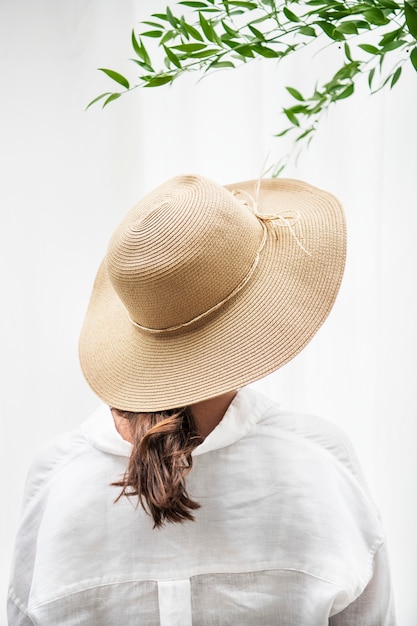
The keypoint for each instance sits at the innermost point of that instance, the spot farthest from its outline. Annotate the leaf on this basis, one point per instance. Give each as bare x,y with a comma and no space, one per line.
411,19
348,28
293,119
172,57
112,97
230,31
245,50
283,132
136,46
256,32
205,53
307,30
389,4
221,64
346,92
375,16
295,94
171,18
266,52
368,48
193,32
244,5
371,77
97,99
152,33
393,45
413,57
290,15
304,134
157,81
330,31
347,52
190,47
391,36
194,5
116,77
396,76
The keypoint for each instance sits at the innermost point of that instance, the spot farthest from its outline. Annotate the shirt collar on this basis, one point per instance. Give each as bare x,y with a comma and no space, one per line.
243,412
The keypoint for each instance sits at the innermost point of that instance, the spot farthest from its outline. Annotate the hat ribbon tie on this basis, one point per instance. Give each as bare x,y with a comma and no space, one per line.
285,218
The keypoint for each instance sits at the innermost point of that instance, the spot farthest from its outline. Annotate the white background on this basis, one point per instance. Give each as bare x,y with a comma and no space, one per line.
68,177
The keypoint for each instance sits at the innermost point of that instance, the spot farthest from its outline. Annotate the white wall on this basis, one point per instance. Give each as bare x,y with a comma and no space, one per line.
69,176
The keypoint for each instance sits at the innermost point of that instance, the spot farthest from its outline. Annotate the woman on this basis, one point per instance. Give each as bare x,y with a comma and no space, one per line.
249,515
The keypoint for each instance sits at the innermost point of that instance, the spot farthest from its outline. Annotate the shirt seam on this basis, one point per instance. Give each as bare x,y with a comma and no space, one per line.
205,573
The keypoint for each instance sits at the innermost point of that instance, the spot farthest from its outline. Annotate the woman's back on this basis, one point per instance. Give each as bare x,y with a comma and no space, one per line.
286,533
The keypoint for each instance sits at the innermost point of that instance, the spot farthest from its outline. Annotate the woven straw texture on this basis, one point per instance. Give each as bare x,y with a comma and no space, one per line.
184,249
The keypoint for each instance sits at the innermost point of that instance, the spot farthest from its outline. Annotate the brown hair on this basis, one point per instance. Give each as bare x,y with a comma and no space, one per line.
160,460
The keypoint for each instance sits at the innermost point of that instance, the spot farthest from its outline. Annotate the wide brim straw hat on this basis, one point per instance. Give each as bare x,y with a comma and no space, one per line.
206,288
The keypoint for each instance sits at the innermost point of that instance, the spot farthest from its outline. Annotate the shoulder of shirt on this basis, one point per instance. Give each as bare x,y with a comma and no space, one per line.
313,430
52,457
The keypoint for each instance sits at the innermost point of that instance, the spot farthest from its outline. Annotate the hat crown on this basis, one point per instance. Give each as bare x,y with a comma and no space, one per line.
181,250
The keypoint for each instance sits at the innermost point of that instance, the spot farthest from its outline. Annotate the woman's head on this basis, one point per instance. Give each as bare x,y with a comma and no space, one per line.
206,288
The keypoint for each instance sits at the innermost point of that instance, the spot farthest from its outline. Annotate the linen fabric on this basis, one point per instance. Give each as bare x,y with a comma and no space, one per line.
287,533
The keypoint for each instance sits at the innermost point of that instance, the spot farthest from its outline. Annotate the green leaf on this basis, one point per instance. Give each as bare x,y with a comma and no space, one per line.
346,92
112,97
152,33
393,45
193,32
245,51
347,52
368,48
391,36
266,52
411,19
194,5
116,77
222,64
145,66
171,18
304,134
205,53
157,81
283,132
375,16
371,77
103,95
172,57
295,94
190,47
256,32
396,76
136,46
330,31
389,4
307,30
169,35
293,119
244,5
413,57
290,15
230,31
348,28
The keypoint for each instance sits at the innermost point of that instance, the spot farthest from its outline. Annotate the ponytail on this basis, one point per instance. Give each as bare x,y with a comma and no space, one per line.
159,462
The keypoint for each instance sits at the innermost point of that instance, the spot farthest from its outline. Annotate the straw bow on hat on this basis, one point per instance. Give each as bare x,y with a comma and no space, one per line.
206,288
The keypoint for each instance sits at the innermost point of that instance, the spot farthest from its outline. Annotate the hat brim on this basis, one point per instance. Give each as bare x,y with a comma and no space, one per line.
253,334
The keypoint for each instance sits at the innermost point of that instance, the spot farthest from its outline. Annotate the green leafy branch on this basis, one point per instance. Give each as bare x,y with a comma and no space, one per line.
221,34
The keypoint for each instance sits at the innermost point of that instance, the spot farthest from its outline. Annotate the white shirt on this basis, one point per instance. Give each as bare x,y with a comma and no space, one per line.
286,535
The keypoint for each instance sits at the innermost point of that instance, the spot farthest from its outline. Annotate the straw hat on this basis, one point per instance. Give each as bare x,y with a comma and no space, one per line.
206,288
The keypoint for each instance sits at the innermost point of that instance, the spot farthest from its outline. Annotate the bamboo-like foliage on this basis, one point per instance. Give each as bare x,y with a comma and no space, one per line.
375,37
